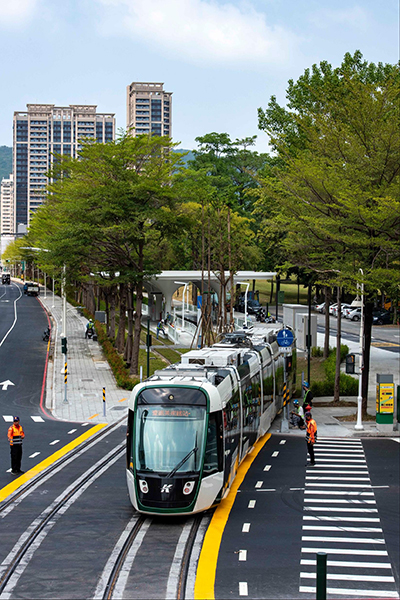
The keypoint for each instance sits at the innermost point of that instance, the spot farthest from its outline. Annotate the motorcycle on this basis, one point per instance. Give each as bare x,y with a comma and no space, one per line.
263,318
46,335
90,333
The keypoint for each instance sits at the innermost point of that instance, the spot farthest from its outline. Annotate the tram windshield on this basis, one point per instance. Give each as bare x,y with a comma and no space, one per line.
169,439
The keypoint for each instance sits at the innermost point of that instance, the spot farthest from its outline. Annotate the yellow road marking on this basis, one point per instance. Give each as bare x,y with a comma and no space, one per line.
385,344
123,400
14,485
207,565
93,416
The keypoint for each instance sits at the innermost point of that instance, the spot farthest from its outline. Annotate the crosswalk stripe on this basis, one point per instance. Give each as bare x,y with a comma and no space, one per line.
348,577
351,592
37,419
8,418
351,564
324,526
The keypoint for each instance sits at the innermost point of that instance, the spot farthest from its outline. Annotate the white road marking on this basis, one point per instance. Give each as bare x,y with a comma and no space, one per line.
342,485
294,489
335,455
326,465
242,557
84,424
351,592
246,527
267,490
282,442
339,478
346,540
335,518
259,484
352,551
348,563
251,504
345,577
337,509
71,431
15,316
8,418
341,528
34,454
174,572
267,467
345,493
243,590
8,470
347,472
339,501
274,454
37,419
352,461
54,442
395,440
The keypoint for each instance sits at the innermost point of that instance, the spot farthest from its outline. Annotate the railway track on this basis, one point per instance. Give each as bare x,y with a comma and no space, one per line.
19,557
114,579
10,503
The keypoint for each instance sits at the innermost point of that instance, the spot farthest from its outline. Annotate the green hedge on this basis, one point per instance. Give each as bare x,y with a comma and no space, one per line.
348,385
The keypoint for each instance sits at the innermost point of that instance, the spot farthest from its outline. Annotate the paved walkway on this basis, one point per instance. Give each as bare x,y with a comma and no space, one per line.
89,373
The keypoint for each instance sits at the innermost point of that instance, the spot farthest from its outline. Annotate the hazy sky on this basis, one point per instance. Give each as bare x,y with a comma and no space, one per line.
221,59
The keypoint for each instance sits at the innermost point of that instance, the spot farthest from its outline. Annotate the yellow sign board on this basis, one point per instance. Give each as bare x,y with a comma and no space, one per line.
385,397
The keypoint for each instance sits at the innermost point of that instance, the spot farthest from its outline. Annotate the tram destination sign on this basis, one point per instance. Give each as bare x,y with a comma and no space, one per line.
285,338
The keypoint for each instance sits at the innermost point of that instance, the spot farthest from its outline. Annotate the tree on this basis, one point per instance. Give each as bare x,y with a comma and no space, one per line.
105,215
337,185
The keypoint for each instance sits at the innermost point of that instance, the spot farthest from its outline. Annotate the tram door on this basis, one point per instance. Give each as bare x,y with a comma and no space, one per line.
251,406
231,415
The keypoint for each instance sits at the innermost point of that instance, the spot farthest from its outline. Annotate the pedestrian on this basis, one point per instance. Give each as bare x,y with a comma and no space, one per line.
297,415
15,436
308,397
311,437
160,327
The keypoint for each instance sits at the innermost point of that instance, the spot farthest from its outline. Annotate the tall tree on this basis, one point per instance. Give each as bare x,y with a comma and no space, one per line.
337,186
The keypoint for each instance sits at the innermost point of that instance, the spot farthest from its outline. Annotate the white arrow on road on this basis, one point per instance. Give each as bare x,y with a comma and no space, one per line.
5,384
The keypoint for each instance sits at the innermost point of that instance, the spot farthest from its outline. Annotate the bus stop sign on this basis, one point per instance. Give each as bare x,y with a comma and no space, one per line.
285,338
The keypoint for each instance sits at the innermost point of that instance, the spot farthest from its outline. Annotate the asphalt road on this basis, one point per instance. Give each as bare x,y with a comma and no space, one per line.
267,551
22,362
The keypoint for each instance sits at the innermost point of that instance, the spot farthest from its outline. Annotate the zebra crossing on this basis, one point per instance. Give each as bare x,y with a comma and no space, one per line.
341,519
35,418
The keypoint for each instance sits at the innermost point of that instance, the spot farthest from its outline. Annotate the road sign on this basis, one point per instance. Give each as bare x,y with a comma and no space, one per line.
285,338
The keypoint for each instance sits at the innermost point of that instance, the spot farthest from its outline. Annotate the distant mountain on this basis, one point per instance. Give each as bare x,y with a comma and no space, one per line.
5,161
189,156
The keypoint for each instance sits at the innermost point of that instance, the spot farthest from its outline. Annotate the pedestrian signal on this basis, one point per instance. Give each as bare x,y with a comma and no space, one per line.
64,345
350,364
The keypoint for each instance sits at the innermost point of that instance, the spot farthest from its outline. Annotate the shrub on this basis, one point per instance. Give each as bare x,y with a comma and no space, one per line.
348,386
317,352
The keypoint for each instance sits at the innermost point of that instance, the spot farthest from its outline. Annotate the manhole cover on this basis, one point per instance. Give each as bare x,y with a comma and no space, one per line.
89,395
87,379
101,365
118,407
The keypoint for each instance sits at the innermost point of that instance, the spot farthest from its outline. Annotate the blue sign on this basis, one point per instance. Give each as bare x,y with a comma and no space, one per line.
285,337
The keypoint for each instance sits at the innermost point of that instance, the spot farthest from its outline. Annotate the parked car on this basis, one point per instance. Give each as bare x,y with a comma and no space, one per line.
253,306
354,315
332,308
6,278
381,317
320,307
342,308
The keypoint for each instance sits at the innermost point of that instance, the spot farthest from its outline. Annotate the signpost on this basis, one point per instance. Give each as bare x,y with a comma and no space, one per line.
285,338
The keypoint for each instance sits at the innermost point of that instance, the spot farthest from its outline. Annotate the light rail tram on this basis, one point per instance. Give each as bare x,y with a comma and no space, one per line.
191,424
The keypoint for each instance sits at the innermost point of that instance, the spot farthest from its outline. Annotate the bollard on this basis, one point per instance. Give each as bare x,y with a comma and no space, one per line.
104,402
321,576
65,382
141,373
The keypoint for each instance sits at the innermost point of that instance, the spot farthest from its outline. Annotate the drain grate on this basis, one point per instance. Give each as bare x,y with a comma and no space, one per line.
118,407
89,395
331,424
87,379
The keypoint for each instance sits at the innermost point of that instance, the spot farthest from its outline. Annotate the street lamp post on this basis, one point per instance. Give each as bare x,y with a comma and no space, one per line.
359,425
245,300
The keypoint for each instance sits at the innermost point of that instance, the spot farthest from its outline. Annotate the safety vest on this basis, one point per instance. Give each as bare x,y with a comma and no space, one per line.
15,435
311,433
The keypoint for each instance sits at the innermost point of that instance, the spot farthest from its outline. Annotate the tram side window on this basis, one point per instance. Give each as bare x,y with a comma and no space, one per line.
129,432
213,460
268,380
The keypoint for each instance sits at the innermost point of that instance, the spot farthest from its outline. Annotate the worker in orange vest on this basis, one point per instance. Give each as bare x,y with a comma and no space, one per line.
311,436
15,436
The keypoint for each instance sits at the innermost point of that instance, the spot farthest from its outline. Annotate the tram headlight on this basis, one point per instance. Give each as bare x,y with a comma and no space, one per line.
188,488
144,488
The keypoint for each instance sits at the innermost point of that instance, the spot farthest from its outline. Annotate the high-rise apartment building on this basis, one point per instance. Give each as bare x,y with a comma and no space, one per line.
148,109
6,212
39,133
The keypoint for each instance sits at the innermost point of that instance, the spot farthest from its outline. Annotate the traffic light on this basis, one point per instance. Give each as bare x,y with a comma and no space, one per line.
350,363
64,345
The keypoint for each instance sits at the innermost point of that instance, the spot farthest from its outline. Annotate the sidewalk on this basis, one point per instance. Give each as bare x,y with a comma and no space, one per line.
88,372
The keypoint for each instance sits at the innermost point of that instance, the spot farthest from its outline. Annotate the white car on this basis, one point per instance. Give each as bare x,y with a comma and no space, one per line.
343,307
320,307
354,315
332,308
